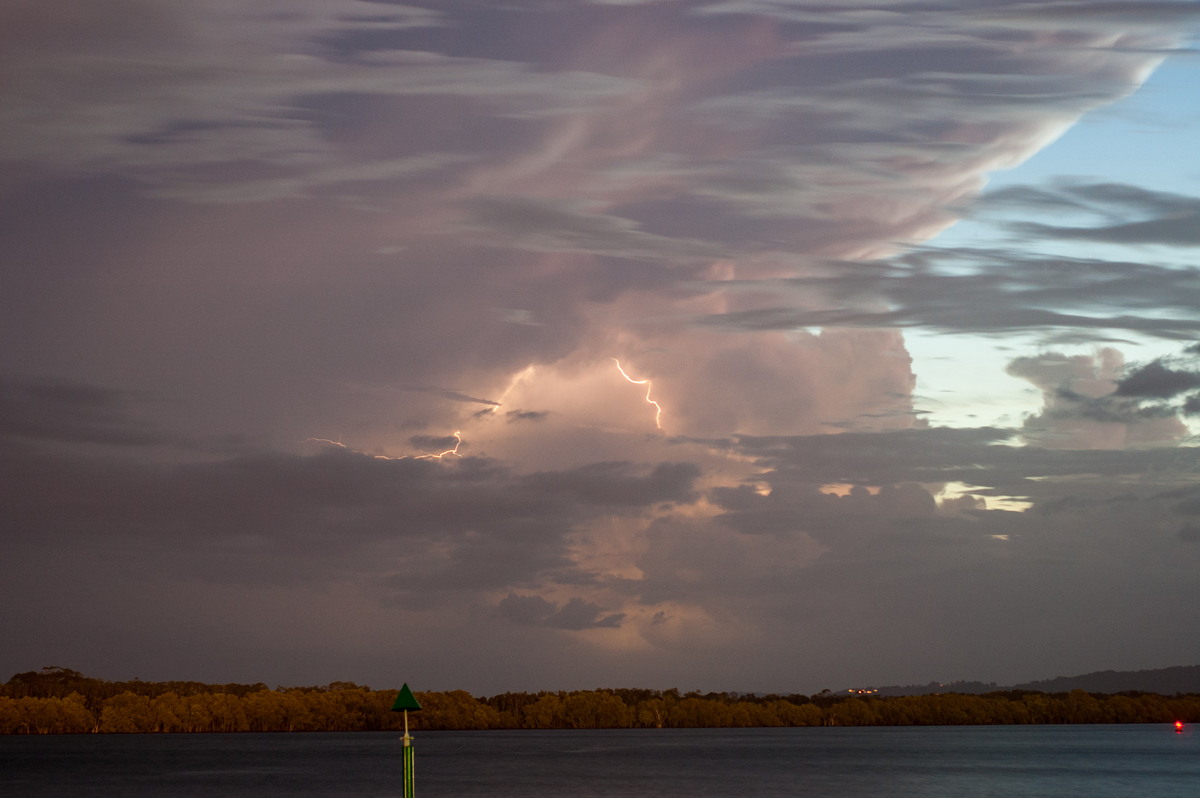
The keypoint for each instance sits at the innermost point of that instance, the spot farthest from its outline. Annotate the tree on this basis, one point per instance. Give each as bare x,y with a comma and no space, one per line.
596,710
547,712
127,713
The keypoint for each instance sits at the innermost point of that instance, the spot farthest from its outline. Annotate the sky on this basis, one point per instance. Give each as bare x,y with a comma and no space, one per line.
747,345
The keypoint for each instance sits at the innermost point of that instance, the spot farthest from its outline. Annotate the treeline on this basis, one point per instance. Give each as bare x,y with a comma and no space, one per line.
61,701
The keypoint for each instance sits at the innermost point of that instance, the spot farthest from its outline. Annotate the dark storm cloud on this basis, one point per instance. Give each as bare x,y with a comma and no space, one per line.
529,610
1168,219
224,95
619,483
433,442
998,291
890,528
1106,409
579,614
982,457
1157,380
1056,426
354,236
60,410
990,291
466,524
575,614
878,561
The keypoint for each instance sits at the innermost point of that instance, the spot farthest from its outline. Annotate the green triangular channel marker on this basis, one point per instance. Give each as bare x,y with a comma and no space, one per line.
405,700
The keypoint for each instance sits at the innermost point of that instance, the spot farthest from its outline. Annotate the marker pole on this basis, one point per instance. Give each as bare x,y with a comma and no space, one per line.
408,759
405,701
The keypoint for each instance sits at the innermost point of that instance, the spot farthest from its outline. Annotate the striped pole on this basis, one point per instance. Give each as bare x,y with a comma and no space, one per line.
405,701
408,760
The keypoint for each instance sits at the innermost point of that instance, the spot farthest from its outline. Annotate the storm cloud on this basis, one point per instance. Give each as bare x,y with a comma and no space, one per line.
538,346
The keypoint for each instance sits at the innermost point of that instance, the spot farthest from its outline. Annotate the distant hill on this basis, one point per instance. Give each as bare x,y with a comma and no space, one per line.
933,688
1164,681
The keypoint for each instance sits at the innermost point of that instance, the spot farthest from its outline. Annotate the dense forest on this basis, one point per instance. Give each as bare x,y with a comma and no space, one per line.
63,701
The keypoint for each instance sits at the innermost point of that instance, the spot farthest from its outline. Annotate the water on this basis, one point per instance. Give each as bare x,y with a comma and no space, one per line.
931,762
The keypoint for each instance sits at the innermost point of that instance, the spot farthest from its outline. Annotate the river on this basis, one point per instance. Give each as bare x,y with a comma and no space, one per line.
930,762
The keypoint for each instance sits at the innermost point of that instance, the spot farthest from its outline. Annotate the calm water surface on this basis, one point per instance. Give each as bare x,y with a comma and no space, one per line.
932,762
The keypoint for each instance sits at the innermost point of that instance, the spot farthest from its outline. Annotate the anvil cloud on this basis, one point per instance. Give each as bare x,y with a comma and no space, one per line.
310,311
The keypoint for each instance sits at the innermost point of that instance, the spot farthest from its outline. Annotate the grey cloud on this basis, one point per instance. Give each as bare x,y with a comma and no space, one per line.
1190,506
618,484
555,225
575,614
455,396
1098,517
825,132
41,410
980,457
514,416
1086,408
434,443
1113,200
522,609
1179,231
1157,380
1107,410
306,184
1119,423
483,79
578,614
988,291
923,455
1091,527
943,98
949,318
1152,13
1173,218
1100,13
228,85
440,526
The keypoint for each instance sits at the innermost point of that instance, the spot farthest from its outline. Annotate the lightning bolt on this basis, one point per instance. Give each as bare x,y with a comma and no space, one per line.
454,451
457,442
338,444
517,379
491,410
658,411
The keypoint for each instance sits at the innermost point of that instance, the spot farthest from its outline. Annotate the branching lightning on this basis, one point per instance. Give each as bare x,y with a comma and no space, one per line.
438,456
457,442
492,409
658,411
